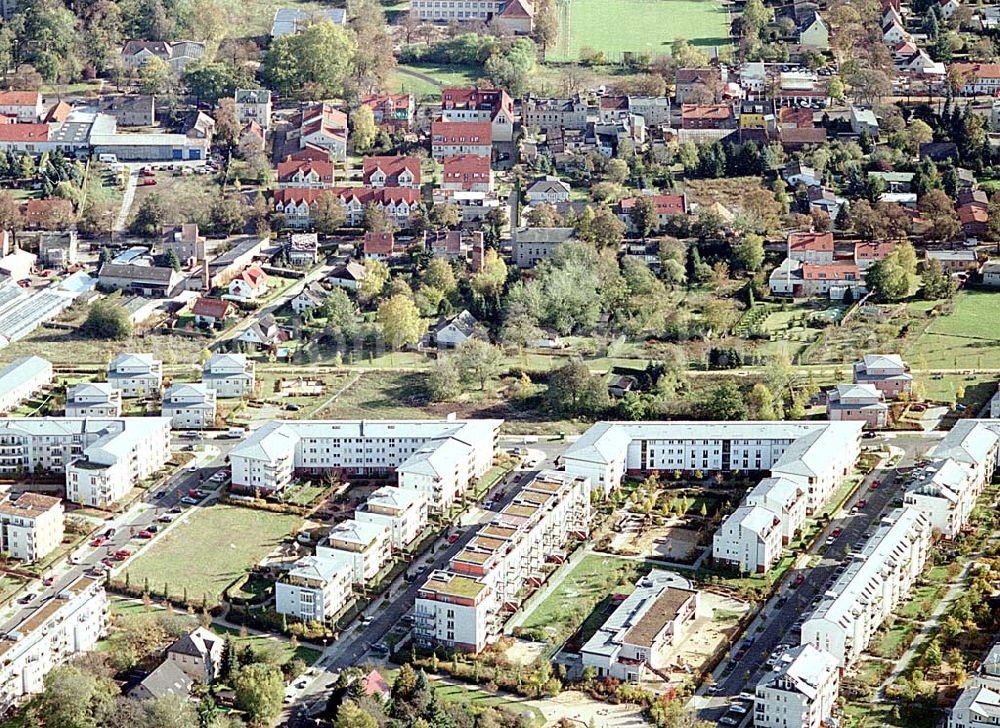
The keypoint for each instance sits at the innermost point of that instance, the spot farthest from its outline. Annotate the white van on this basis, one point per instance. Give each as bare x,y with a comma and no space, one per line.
107,158
237,432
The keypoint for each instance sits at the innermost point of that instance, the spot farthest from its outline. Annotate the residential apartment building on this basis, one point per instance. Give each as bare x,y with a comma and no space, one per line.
451,138
946,492
402,511
974,443
858,403
816,455
398,171
784,497
555,114
800,693
749,540
876,580
530,246
198,654
463,606
642,634
22,378
190,405
978,705
437,458
24,106
136,375
310,174
93,399
468,172
323,126
253,104
480,105
230,375
978,79
665,207
368,546
399,203
811,247
52,634
316,588
888,373
31,526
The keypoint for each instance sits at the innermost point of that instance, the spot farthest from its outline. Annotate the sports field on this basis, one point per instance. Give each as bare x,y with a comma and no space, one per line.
637,26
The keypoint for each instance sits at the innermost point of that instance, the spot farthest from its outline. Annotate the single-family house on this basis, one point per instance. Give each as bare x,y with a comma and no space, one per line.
392,112
253,104
249,285
456,330
211,310
548,189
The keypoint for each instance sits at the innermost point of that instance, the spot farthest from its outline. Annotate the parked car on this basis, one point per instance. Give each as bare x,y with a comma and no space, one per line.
453,538
862,503
27,598
99,541
145,533
110,533
875,484
188,500
108,563
799,578
148,181
836,532
165,519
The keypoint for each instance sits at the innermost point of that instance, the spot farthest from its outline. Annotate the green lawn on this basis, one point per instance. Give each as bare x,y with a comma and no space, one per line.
638,26
590,581
473,697
458,76
968,337
209,549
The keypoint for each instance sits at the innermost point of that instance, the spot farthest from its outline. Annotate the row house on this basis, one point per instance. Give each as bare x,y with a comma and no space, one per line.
231,376
641,637
888,373
797,279
93,399
399,203
392,112
22,378
463,606
189,406
323,126
136,375
467,172
305,174
946,492
800,692
398,171
665,207
876,580
858,403
816,455
749,540
23,106
50,635
438,458
451,138
655,110
31,526
491,105
707,116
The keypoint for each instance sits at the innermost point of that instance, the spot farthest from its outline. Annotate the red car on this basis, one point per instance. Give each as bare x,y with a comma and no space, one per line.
875,484
836,532
453,538
99,541
147,181
799,578
48,580
144,534
862,503
108,562
121,554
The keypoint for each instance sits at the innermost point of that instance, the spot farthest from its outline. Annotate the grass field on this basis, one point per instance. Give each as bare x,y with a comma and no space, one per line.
443,76
968,337
590,581
472,697
639,26
209,549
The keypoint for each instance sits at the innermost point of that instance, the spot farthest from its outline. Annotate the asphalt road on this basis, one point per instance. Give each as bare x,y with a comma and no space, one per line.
743,673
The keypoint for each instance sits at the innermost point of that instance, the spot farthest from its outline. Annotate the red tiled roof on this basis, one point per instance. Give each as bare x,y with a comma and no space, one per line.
35,210
664,204
462,132
378,243
394,101
716,112
972,213
24,132
466,168
476,98
873,251
822,242
253,276
977,70
19,98
58,113
833,272
364,195
518,9
802,135
391,167
289,167
211,307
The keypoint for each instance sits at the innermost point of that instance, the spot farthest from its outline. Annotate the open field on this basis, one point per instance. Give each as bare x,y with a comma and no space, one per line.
623,26
967,337
402,82
590,581
209,549
67,348
473,697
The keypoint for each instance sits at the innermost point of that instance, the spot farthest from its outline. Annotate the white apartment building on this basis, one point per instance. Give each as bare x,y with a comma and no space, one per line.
31,526
102,458
230,375
367,545
22,378
189,405
749,540
643,631
945,491
402,511
978,705
93,399
786,498
871,587
55,631
316,588
974,443
800,693
463,607
817,455
437,458
136,375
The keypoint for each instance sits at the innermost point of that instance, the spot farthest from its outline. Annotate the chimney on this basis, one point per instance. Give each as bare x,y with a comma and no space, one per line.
478,251
204,275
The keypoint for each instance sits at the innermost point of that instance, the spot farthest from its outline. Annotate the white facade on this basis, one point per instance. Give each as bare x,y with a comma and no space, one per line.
459,607
749,540
53,633
316,588
403,512
136,375
946,492
784,497
31,527
189,406
368,546
230,375
437,458
22,378
876,581
93,399
800,693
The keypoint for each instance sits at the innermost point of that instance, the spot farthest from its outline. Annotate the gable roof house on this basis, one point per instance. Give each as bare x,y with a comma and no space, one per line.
548,189
130,110
211,310
811,247
141,280
665,206
468,172
398,171
455,331
253,104
312,296
450,138
137,53
323,126
480,104
378,246
391,111
249,285
695,85
25,106
305,174
814,32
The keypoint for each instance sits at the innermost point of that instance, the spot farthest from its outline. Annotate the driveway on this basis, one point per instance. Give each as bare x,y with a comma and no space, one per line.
128,196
